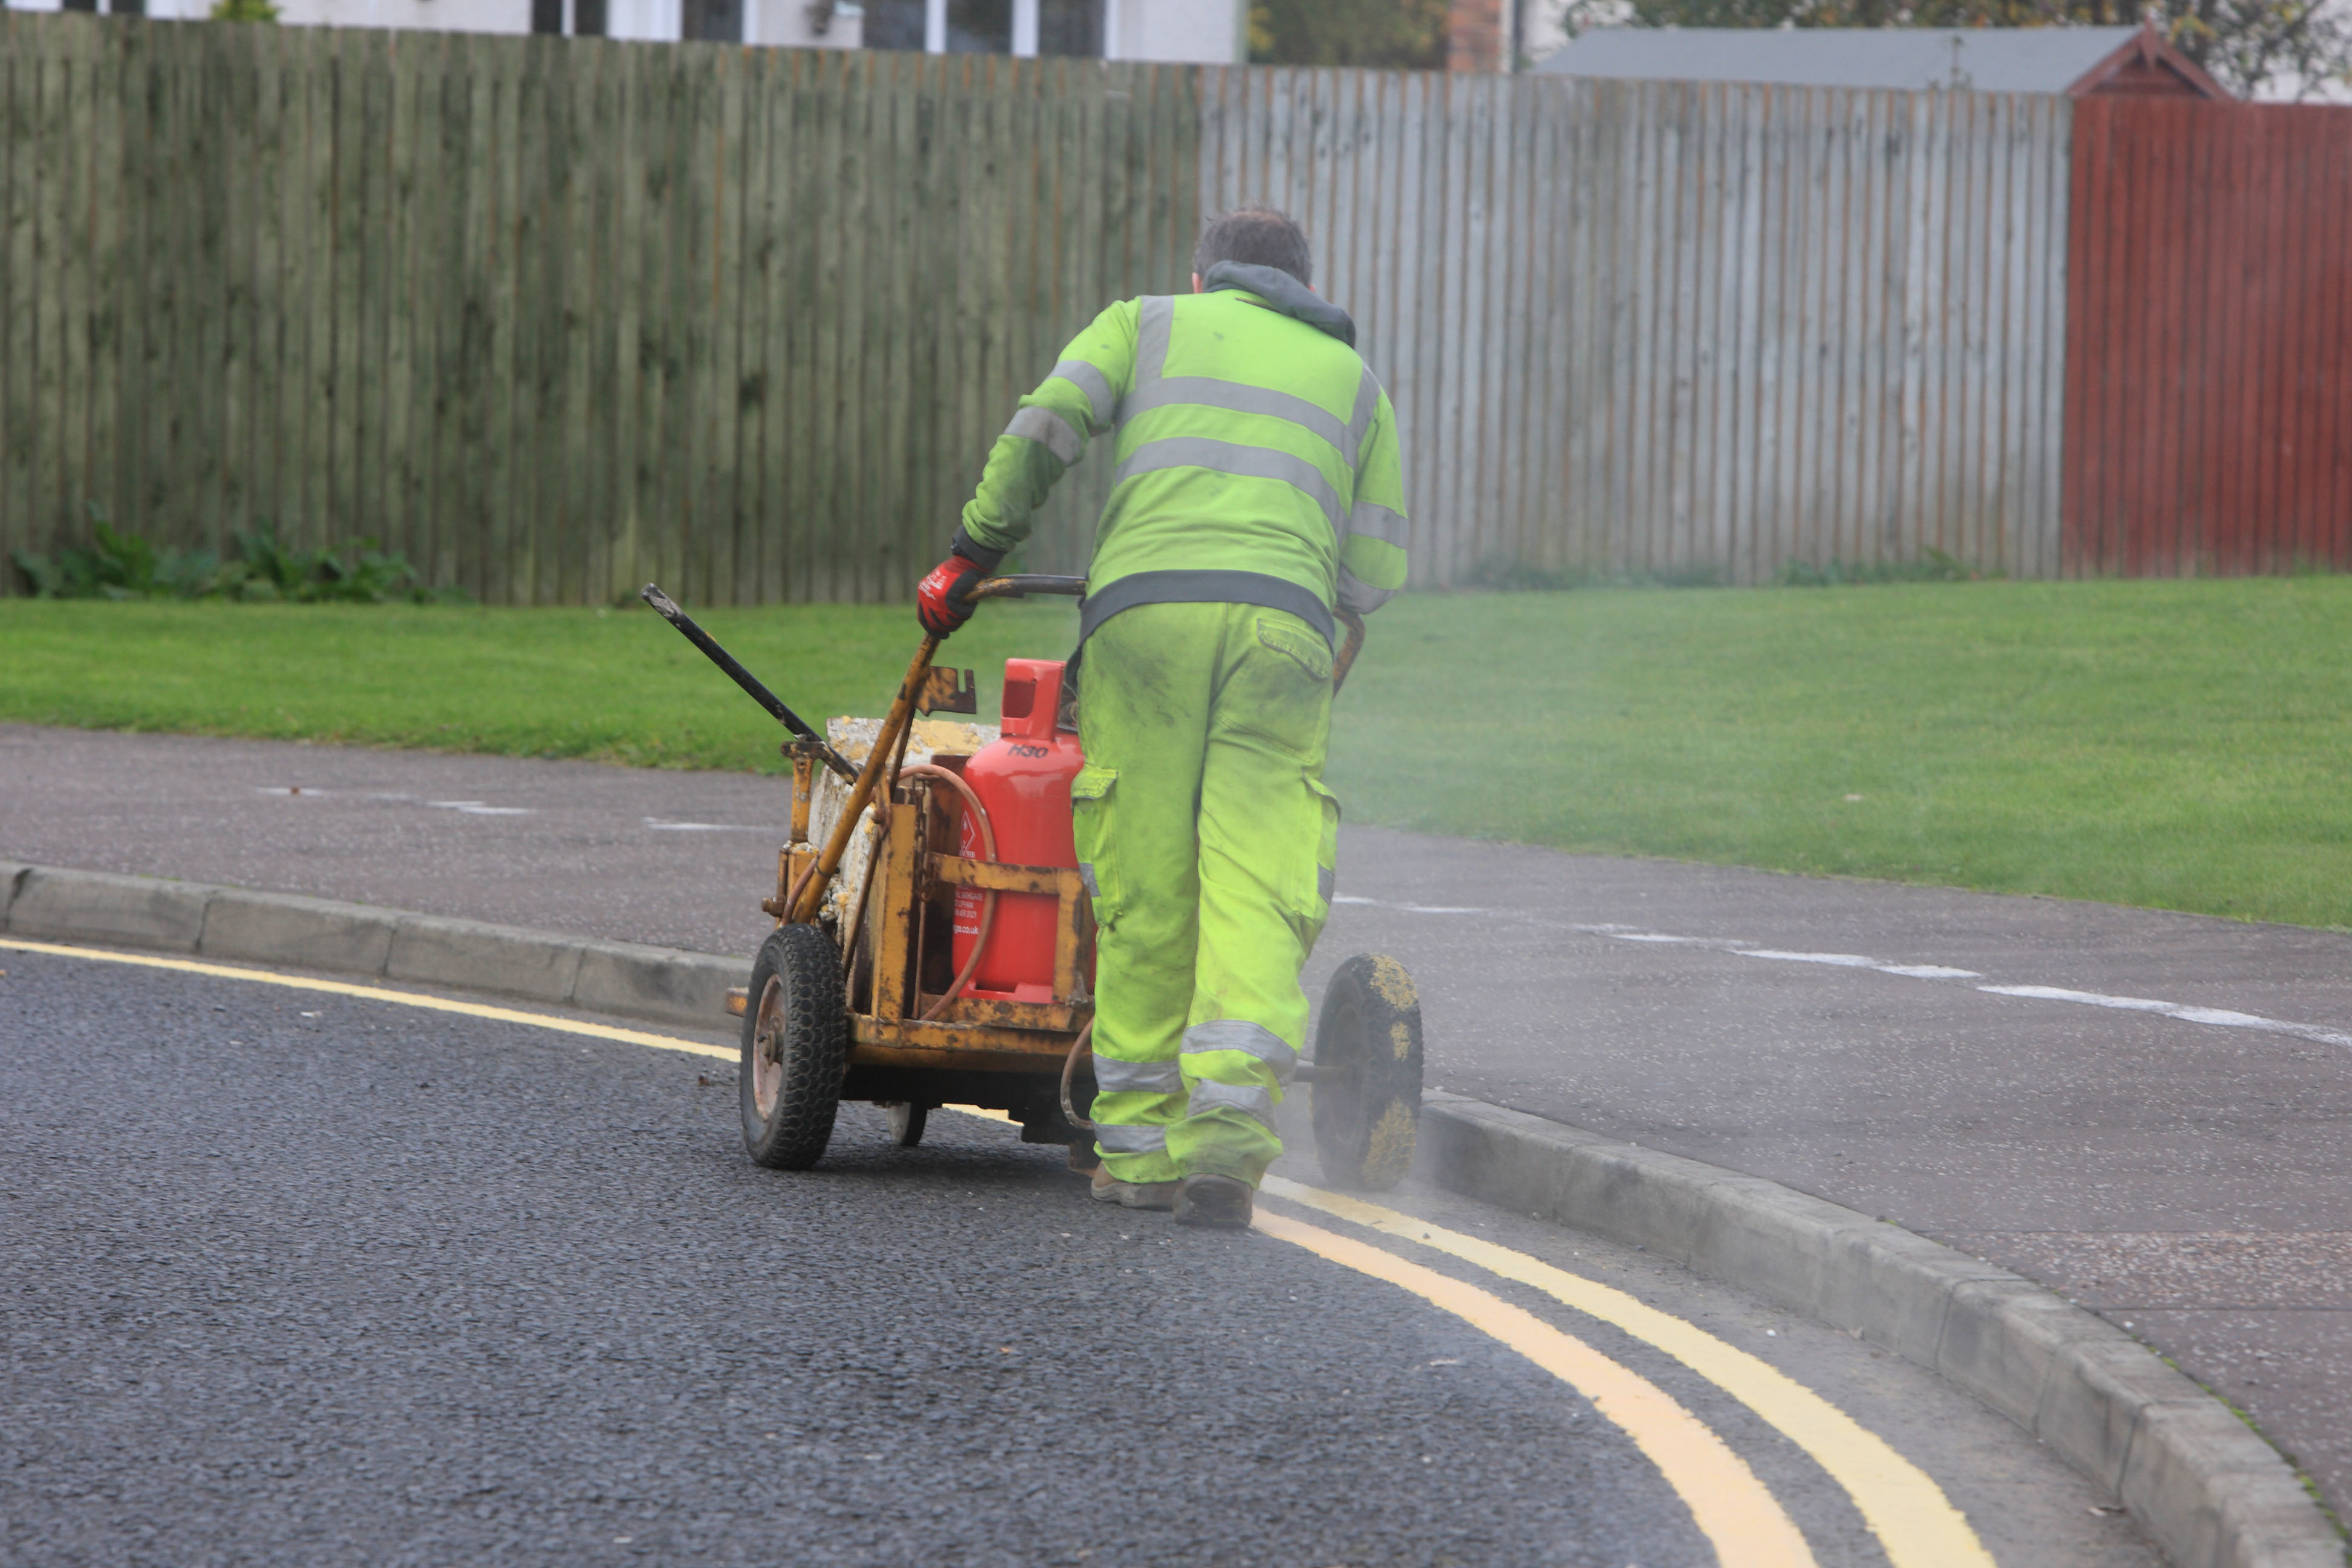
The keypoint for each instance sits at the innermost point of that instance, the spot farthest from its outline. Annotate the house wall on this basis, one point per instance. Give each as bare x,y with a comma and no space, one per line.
782,24
1212,32
445,16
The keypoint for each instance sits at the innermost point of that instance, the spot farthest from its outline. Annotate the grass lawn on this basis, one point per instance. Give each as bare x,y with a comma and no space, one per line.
2186,745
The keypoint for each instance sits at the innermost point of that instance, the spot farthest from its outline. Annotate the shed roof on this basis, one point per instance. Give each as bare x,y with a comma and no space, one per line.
1987,59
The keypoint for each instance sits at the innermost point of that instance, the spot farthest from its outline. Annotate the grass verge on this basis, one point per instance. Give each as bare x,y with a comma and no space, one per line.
2181,745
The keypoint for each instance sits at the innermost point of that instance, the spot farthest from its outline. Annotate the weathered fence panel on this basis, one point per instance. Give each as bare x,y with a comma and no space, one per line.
1685,327
553,316
2210,353
556,315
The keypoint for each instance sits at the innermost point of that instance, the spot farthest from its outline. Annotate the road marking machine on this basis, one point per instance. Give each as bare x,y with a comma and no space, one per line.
934,943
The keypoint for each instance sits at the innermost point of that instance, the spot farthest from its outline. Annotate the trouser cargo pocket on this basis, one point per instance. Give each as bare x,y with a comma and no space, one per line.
1090,812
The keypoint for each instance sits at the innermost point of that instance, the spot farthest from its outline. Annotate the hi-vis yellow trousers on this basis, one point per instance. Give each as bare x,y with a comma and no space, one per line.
1207,839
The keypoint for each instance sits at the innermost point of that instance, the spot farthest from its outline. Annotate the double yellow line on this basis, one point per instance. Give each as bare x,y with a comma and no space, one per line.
1915,1522
1908,1512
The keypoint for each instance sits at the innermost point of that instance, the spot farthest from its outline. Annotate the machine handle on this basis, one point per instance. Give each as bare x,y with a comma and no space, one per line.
1349,648
666,608
1022,583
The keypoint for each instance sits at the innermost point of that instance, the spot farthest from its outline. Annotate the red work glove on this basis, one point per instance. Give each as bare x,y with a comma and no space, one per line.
939,600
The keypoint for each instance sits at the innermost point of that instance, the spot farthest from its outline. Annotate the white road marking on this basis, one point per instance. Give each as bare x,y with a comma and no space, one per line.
2187,1013
1836,960
658,826
2221,1017
1411,909
310,791
470,807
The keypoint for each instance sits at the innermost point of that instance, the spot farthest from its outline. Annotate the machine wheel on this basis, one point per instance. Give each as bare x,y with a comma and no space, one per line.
1368,1117
796,1044
906,1120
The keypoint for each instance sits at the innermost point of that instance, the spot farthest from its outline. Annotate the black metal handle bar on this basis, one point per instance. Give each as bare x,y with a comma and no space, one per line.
666,608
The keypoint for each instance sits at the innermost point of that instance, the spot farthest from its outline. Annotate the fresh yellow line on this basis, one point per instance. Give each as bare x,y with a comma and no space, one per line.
1734,1509
1913,1518
377,994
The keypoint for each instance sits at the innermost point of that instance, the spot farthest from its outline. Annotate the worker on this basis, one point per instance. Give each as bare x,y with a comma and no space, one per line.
1257,486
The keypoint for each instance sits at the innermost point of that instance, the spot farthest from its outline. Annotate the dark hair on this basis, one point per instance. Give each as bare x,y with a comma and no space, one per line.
1258,236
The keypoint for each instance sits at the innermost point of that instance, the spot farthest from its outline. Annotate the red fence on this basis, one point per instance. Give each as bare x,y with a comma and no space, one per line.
2209,353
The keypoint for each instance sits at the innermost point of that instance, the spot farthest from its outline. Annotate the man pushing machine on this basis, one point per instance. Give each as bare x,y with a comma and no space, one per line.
1257,486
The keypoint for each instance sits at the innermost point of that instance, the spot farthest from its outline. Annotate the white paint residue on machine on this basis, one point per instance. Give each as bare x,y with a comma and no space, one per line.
854,739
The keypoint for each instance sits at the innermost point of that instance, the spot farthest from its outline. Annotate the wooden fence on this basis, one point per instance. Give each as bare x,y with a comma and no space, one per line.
2210,370
1677,326
554,316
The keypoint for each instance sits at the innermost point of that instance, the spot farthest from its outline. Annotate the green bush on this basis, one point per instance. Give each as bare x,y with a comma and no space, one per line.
1504,576
1933,566
125,566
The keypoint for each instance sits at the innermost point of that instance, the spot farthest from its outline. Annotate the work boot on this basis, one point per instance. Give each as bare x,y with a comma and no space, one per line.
1106,1188
1220,1200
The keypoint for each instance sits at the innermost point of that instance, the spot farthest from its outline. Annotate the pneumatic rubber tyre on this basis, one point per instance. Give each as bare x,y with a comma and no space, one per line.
1368,1119
796,1046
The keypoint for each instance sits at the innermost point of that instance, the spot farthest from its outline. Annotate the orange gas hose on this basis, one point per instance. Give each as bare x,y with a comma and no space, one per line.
1069,1066
988,896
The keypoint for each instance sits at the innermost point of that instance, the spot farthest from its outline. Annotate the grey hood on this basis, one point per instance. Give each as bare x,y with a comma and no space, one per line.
1285,293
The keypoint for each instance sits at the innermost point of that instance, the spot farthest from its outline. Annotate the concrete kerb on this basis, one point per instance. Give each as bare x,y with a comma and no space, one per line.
89,906
11,873
234,924
2210,1491
2203,1484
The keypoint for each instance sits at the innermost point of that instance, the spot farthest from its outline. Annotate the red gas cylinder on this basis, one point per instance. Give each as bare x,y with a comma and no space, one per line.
1023,779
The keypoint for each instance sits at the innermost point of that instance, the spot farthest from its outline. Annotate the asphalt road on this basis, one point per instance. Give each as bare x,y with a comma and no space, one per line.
2184,1178
295,1277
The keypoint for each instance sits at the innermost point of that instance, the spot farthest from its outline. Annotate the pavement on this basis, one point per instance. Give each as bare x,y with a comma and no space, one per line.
2151,1113
351,1281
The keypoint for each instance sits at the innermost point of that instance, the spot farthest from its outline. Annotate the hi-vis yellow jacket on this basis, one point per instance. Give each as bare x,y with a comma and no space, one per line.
1257,455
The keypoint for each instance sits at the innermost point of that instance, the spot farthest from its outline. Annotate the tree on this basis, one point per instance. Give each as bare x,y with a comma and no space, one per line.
2269,47
1386,34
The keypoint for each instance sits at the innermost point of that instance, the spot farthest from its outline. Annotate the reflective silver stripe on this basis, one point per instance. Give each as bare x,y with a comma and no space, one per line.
1087,875
1049,430
1240,397
1113,1076
1250,1039
1156,325
1324,877
1360,423
1118,1139
1233,457
1357,594
1376,521
1208,1095
1090,381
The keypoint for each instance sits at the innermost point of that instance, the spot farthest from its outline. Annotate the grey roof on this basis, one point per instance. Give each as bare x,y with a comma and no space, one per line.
1989,59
